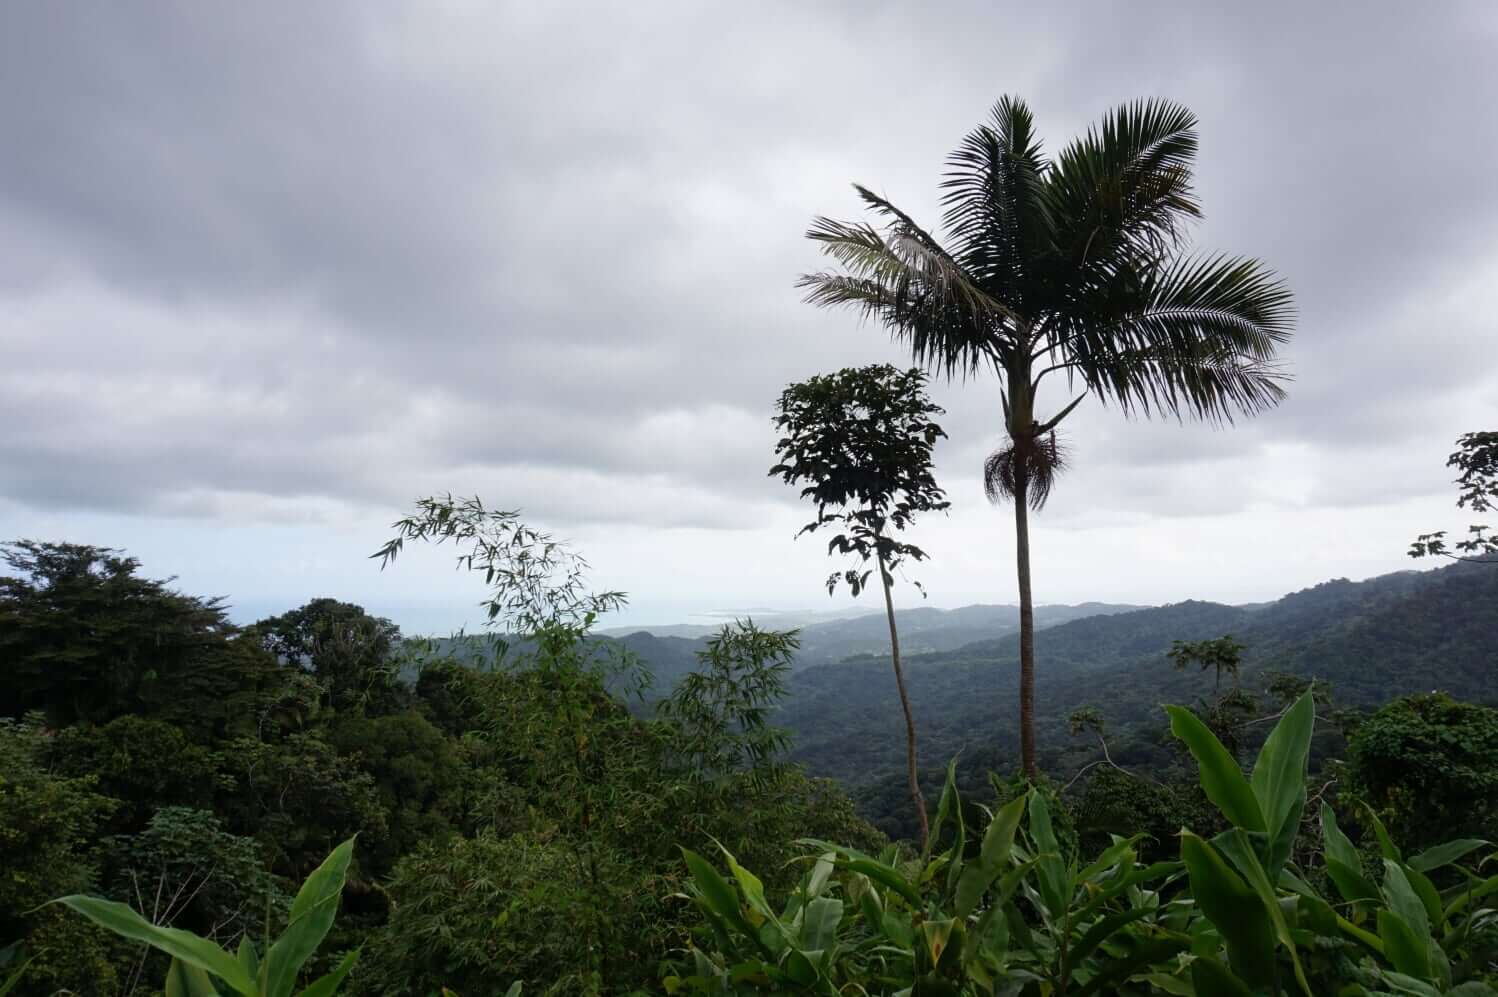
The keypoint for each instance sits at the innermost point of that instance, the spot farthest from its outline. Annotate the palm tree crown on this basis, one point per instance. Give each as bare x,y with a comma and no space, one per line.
1073,265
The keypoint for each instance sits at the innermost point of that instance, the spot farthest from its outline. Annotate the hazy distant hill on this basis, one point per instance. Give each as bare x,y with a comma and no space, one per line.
922,631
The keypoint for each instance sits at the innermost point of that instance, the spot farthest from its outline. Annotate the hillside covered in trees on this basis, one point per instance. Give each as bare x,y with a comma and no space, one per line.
1366,642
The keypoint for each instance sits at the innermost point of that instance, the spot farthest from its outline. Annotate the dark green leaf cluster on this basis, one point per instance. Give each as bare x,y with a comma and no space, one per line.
860,442
1476,457
1073,264
1011,910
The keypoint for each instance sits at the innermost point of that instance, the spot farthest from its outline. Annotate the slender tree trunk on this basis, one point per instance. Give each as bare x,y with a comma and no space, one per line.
1026,622
911,763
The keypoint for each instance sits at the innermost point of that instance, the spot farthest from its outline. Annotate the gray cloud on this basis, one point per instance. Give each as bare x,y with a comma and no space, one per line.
274,261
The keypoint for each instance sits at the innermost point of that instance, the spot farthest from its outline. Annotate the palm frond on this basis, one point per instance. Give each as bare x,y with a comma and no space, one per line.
1198,337
905,280
1124,188
994,199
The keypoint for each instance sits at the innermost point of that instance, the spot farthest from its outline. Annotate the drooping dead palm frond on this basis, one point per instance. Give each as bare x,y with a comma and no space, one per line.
1040,458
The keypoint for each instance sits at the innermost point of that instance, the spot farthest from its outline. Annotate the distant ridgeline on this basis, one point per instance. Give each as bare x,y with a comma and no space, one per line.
1369,641
668,654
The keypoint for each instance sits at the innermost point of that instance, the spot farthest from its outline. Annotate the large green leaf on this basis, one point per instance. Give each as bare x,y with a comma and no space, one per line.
14,978
1221,778
1385,842
949,807
1235,843
1472,988
1148,954
1279,776
1235,909
312,914
881,873
1343,865
998,842
754,890
183,980
819,925
1102,931
1120,852
719,897
1403,984
1444,854
326,986
178,944
1055,882
1474,892
1405,901
1212,979
1408,951
249,959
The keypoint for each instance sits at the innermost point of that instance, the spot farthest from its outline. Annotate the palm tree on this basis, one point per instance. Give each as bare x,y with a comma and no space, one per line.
1072,266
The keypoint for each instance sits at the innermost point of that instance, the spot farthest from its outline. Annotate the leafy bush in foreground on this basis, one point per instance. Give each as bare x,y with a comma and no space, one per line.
270,970
1009,913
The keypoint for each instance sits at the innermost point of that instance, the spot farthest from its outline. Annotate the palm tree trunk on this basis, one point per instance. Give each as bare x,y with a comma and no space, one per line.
911,763
1026,623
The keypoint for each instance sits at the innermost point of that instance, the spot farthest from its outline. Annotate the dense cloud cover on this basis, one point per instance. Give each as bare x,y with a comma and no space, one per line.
268,271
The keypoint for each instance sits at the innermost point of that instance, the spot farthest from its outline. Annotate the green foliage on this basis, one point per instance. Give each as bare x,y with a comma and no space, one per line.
1222,654
471,913
1016,915
298,796
861,440
1476,457
142,637
417,777
271,970
518,818
185,870
1429,766
143,762
49,824
347,649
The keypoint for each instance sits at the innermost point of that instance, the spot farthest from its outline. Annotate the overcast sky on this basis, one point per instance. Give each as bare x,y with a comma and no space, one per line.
269,271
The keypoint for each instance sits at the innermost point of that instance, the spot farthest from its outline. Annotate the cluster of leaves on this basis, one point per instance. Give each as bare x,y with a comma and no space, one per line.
1476,457
859,441
1015,911
525,796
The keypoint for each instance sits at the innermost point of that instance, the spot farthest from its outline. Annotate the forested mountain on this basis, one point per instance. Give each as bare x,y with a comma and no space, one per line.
1370,641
